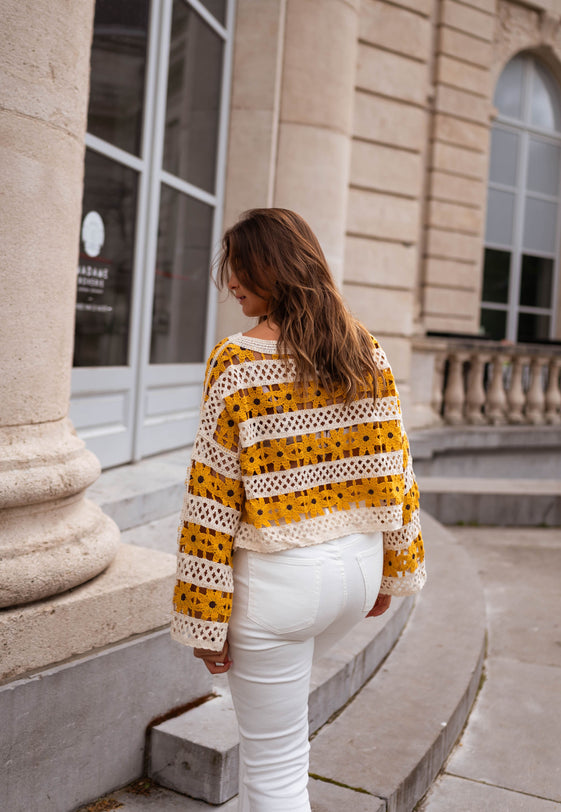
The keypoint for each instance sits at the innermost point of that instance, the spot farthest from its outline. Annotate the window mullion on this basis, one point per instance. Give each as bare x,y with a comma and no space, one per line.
221,164
154,144
518,235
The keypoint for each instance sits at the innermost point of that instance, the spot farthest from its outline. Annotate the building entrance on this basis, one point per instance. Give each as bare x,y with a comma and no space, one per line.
152,202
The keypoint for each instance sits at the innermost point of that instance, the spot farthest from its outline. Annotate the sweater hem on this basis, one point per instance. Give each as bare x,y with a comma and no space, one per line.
314,531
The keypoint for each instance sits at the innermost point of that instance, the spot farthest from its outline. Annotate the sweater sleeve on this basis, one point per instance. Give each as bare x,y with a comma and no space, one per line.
214,496
404,558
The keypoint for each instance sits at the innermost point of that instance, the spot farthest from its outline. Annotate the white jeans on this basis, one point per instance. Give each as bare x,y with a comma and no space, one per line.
290,607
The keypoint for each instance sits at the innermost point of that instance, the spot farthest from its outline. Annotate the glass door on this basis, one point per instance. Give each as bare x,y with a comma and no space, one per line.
152,203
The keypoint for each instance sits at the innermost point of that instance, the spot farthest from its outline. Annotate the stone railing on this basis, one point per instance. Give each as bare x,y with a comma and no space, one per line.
488,382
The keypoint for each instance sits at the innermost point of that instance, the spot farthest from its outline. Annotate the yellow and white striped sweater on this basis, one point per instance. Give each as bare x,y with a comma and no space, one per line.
277,465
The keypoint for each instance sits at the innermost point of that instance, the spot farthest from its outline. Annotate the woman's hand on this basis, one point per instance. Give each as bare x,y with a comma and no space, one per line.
382,605
217,662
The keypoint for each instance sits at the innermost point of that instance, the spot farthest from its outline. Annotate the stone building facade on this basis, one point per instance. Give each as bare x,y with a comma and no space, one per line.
420,139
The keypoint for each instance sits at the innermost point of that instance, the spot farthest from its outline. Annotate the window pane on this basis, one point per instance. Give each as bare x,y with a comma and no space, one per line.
182,277
217,8
496,275
493,323
508,93
536,282
543,167
118,64
533,327
106,263
504,151
500,214
193,99
540,225
545,111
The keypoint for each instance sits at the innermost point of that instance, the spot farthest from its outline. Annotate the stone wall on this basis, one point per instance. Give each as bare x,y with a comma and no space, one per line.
419,145
290,124
457,166
390,131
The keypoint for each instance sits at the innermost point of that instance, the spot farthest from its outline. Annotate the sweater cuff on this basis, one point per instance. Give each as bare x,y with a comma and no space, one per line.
408,583
198,633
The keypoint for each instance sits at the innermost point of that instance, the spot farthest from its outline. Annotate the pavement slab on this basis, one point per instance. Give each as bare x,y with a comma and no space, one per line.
513,736
508,757
157,799
520,569
326,797
143,796
450,794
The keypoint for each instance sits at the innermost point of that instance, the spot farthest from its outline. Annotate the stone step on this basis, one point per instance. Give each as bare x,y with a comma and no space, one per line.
382,752
143,492
196,753
492,501
391,740
388,744
394,737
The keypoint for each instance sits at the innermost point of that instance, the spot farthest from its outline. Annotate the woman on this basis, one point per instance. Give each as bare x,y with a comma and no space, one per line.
301,513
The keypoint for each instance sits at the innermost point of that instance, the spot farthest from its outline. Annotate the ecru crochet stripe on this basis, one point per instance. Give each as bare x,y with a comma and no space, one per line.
407,584
401,539
254,373
207,512
409,476
271,347
323,473
215,456
320,528
193,632
209,574
325,418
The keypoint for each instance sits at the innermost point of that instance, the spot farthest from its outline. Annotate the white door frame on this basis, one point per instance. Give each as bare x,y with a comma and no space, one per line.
125,413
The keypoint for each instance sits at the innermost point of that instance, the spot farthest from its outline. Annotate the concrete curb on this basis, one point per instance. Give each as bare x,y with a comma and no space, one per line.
492,501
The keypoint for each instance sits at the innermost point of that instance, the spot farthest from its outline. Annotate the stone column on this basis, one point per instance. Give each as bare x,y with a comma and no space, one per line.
51,538
317,93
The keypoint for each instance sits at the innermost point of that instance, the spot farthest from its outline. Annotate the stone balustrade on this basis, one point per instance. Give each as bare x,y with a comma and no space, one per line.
487,382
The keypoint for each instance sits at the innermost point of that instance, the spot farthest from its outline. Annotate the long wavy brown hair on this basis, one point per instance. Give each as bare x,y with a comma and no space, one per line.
275,254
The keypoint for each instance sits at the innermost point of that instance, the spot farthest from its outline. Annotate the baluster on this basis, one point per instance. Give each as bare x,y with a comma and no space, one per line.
495,404
535,399
475,397
438,384
516,397
552,393
454,394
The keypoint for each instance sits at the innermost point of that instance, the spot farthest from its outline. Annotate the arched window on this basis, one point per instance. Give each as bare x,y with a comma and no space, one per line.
522,230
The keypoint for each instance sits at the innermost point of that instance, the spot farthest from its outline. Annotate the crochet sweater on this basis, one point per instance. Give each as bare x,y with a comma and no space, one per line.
277,465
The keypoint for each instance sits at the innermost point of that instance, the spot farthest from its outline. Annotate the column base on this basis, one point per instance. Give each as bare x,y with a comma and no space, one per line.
51,538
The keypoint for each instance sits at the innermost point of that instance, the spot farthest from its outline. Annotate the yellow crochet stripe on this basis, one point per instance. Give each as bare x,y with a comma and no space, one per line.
291,507
204,542
205,482
291,395
282,453
397,562
201,602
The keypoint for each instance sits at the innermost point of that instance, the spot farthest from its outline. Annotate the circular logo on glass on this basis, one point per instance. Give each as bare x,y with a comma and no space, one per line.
93,233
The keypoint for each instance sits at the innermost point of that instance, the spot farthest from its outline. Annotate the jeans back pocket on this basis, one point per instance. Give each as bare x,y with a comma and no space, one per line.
371,564
284,592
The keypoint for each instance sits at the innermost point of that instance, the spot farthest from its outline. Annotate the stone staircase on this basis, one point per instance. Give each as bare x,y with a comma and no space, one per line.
492,501
386,705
